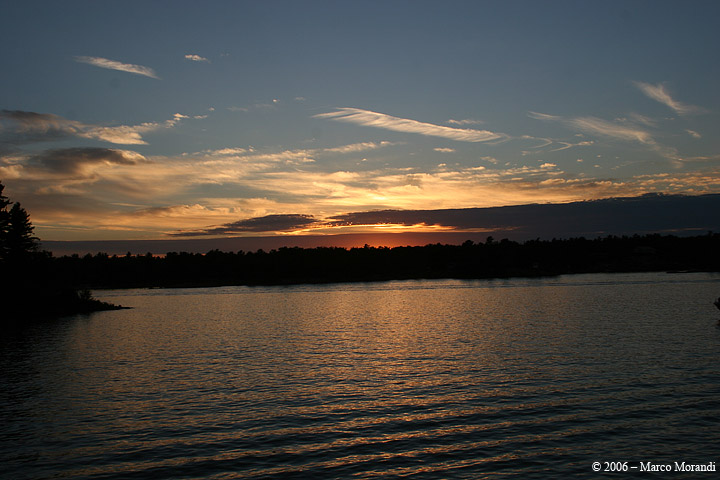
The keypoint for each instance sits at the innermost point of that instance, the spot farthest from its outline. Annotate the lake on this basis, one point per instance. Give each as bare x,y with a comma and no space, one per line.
517,378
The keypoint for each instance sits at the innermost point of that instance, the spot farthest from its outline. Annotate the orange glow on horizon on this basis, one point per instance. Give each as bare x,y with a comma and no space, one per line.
371,228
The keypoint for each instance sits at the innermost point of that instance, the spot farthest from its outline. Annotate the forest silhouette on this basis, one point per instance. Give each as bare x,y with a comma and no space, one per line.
38,284
489,259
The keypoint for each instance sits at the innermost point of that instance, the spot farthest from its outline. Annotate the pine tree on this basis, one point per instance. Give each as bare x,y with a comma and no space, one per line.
16,230
20,232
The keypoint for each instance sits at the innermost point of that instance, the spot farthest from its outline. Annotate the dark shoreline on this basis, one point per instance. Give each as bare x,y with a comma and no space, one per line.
322,265
48,304
54,287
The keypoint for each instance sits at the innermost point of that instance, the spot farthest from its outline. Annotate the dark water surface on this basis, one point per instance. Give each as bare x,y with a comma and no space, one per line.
424,379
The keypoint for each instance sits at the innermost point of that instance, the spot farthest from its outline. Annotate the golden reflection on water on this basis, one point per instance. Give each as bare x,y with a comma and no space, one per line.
376,379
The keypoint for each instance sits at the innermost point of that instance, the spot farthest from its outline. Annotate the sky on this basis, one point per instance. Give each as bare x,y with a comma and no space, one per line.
158,120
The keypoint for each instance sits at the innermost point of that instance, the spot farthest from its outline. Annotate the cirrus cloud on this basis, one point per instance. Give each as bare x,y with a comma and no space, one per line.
660,94
115,65
380,120
601,127
467,121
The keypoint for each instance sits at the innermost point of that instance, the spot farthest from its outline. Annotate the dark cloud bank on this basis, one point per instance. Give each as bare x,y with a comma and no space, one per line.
664,214
70,160
268,223
616,216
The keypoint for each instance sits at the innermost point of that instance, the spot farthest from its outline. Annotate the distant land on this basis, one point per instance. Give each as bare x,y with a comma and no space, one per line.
491,259
679,215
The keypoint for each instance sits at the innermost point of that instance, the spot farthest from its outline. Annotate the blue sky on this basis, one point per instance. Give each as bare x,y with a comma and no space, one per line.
133,120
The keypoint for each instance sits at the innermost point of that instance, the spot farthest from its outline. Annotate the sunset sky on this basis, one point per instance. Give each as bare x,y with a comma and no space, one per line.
152,120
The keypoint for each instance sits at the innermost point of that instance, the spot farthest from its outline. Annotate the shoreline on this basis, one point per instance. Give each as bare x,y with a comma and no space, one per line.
381,280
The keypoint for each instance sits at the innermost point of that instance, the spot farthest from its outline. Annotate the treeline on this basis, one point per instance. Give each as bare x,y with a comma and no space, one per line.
489,259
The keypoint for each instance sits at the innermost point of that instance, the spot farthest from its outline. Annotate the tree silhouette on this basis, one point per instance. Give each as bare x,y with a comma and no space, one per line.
32,287
20,239
16,230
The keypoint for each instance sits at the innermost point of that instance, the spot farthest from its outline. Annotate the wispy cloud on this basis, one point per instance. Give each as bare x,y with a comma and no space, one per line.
601,127
660,94
566,145
444,150
647,121
196,58
693,134
19,127
467,121
272,104
396,124
358,147
298,156
129,134
115,65
608,129
542,116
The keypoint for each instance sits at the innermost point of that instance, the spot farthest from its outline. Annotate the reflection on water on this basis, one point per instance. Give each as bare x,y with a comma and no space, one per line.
434,379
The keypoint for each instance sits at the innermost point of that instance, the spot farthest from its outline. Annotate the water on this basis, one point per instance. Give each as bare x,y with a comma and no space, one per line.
424,379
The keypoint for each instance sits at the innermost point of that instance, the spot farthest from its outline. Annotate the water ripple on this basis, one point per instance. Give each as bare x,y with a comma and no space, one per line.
444,379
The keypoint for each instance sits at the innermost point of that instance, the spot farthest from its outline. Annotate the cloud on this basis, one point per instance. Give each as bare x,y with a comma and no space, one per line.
566,145
76,172
71,161
115,65
196,58
693,134
19,127
542,116
444,150
273,104
129,134
357,147
60,187
625,215
658,93
268,223
600,127
380,120
291,156
637,118
608,129
227,151
467,121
